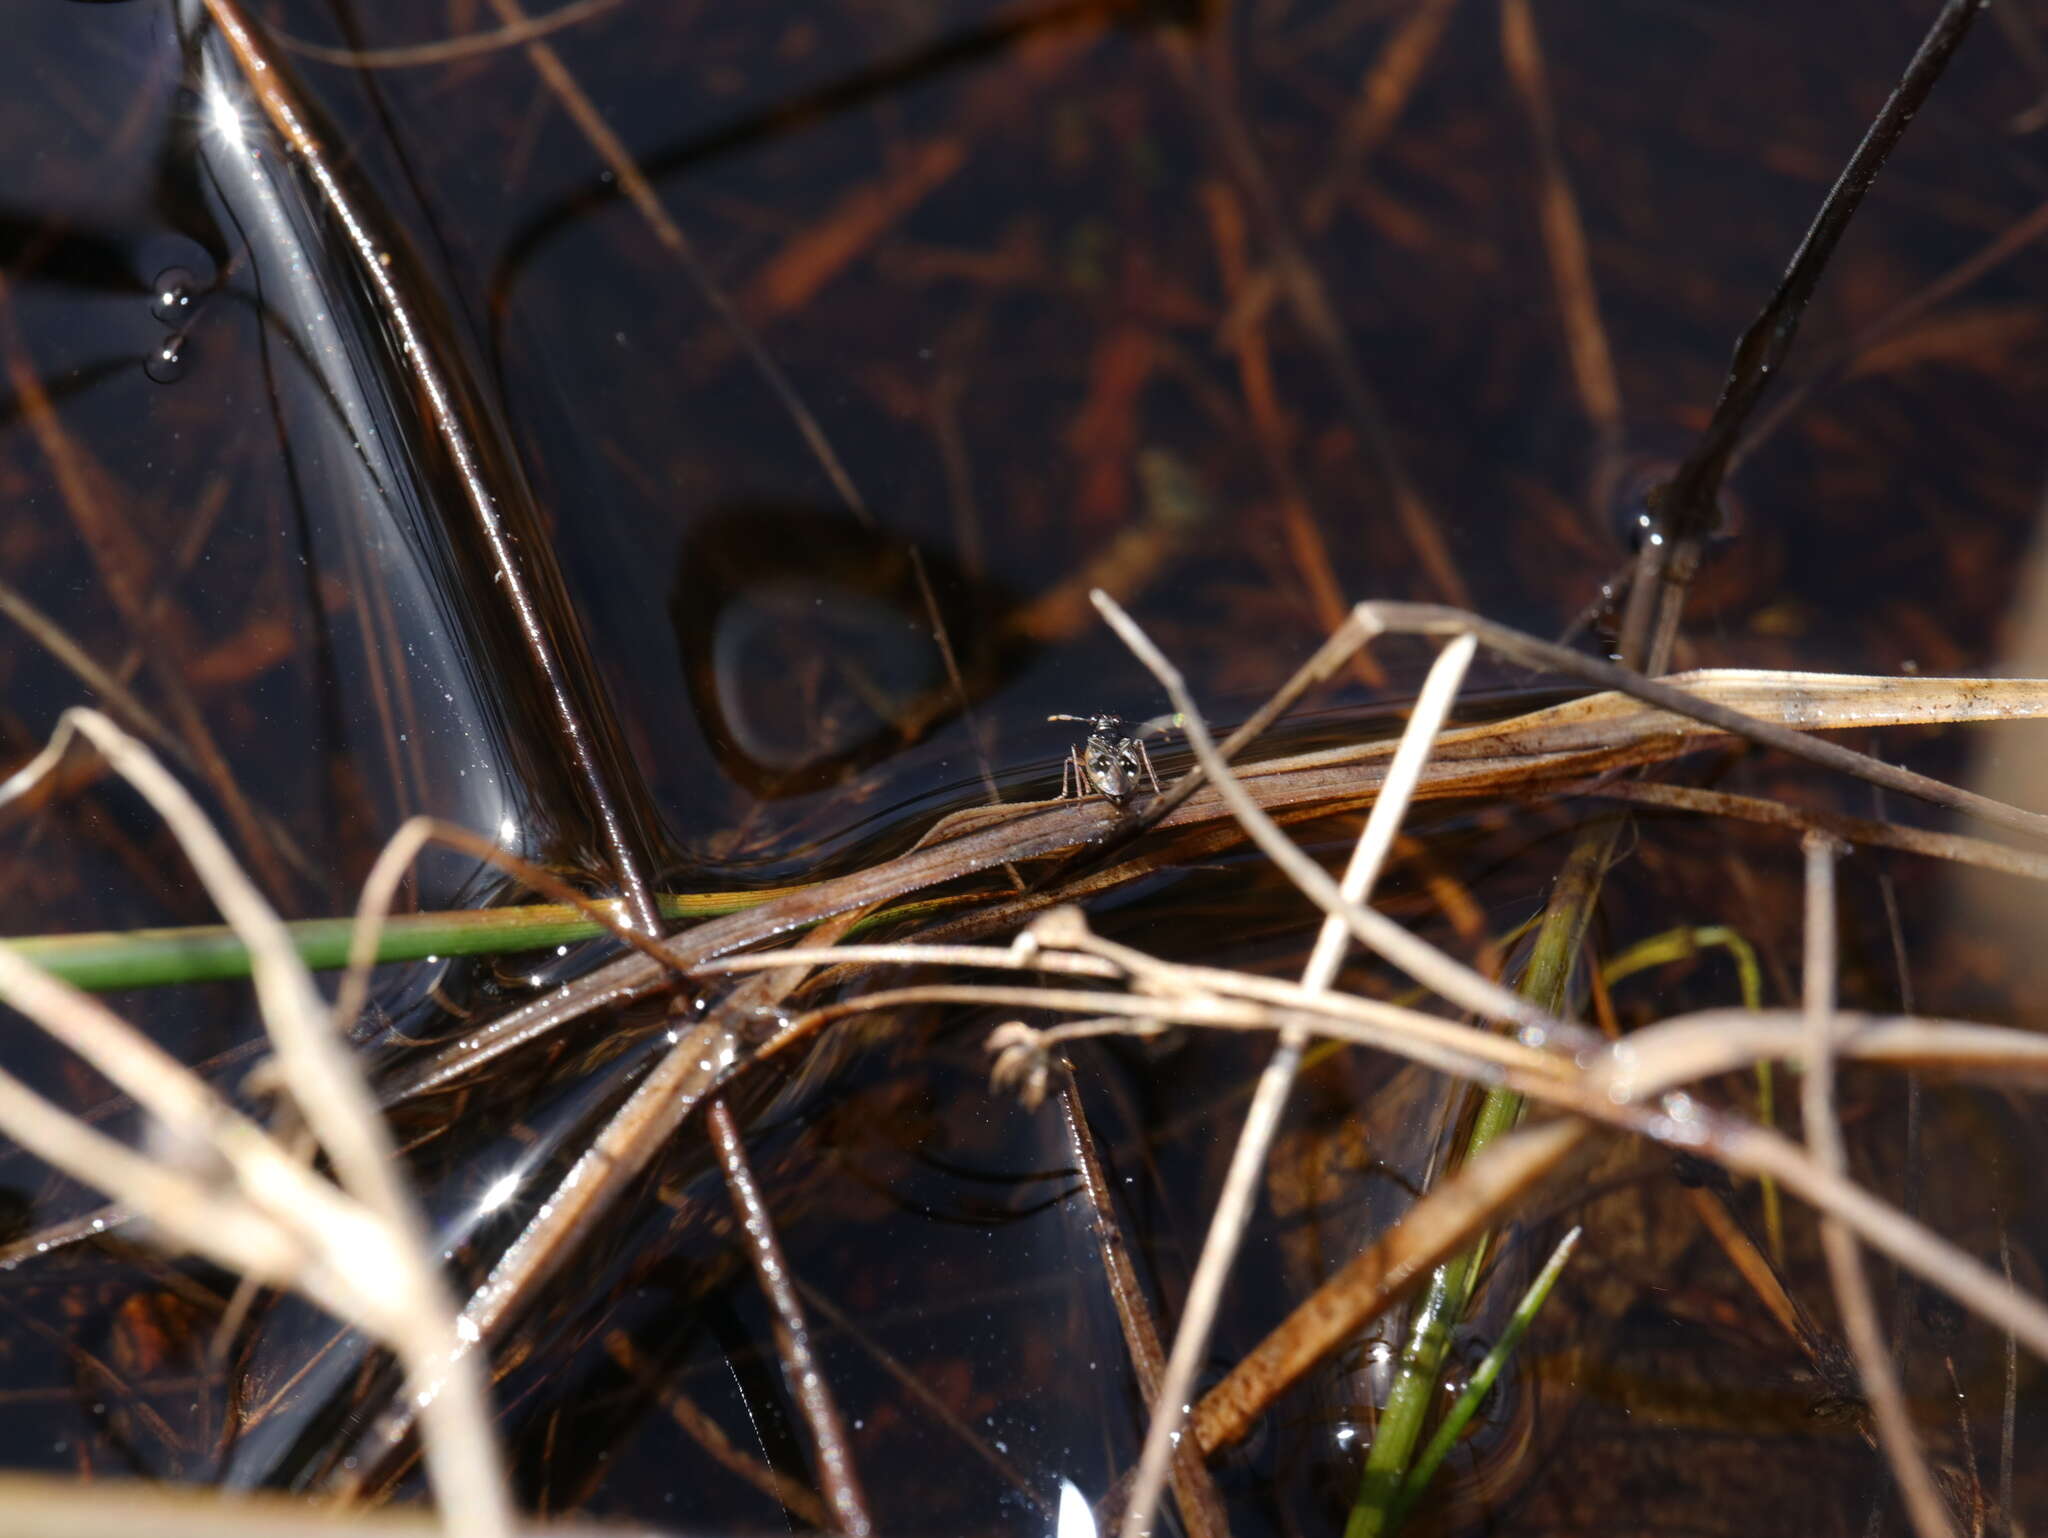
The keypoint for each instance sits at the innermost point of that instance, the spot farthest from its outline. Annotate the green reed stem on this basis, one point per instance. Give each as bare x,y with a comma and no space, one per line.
1460,1414
205,953
1440,1309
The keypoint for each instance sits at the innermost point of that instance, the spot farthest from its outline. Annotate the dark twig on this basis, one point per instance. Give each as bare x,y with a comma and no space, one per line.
800,1370
785,1491
514,580
918,1389
1690,503
1201,1505
1691,498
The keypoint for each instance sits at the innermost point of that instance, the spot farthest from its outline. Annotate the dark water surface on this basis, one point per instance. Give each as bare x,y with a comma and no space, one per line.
959,310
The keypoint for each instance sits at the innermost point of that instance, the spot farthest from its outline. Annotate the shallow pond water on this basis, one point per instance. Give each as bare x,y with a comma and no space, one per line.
798,459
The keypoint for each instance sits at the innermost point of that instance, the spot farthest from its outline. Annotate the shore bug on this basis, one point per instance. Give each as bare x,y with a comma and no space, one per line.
1108,763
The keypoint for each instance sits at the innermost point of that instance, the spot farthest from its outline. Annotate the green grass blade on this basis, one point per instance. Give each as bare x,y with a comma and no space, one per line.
201,953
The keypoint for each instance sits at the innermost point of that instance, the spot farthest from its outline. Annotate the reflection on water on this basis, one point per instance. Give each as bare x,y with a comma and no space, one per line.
815,646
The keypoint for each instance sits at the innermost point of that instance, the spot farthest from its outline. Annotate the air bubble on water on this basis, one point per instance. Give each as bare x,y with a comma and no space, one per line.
172,296
168,361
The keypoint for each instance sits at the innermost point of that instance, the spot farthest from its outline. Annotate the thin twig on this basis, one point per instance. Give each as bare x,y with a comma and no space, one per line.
786,1492
1201,1505
1205,1289
372,1262
1692,499
119,698
1845,1264
1960,848
1427,1039
520,593
1383,93
1248,1160
800,1370
1564,242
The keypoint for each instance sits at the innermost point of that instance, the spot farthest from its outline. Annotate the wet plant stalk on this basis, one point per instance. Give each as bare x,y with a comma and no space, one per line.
1376,1511
1460,1414
837,1475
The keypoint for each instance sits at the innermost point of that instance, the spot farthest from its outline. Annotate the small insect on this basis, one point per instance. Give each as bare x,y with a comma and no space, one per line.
1108,763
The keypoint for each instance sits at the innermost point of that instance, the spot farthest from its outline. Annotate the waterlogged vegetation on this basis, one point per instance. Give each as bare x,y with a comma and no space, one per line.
595,937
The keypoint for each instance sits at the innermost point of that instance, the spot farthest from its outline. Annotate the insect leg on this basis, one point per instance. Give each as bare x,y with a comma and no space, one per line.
1146,759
